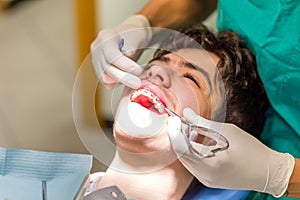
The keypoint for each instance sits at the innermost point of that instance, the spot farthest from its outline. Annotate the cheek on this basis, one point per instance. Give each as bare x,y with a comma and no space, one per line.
191,101
187,96
196,99
205,106
205,103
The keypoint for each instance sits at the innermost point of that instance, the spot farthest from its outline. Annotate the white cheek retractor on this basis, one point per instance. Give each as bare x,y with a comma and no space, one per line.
203,141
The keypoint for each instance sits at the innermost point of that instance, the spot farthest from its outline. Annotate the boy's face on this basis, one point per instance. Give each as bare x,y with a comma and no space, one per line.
186,78
182,79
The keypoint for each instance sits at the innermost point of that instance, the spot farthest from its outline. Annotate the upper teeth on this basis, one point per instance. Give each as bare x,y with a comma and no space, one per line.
156,101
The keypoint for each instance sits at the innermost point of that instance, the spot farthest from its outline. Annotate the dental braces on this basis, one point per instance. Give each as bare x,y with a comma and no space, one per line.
154,99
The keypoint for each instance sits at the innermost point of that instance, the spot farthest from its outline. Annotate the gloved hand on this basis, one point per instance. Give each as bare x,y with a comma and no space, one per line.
246,165
112,64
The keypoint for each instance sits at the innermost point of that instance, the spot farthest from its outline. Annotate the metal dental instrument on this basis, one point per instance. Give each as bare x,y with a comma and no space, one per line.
201,135
204,142
44,190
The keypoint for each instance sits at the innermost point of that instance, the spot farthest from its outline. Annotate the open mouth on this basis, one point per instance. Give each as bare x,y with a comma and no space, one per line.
148,100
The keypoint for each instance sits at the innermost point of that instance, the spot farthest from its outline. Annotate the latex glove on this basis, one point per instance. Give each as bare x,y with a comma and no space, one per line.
246,165
113,65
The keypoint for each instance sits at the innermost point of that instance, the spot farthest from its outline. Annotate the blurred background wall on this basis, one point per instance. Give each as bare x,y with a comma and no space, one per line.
38,64
112,13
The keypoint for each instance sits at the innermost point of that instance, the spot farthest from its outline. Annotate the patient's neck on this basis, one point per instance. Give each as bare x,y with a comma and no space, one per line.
168,180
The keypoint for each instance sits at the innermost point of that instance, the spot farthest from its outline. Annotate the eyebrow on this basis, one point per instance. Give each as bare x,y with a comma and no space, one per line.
187,65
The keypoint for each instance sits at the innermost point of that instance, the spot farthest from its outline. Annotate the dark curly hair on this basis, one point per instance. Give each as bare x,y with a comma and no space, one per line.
245,94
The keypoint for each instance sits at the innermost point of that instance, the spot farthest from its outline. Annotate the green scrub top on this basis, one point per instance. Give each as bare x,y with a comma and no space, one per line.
271,29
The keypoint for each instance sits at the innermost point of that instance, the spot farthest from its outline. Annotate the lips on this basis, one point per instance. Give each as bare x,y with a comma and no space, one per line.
150,98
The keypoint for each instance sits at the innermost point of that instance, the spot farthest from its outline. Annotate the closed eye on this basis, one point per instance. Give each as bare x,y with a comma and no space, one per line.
192,78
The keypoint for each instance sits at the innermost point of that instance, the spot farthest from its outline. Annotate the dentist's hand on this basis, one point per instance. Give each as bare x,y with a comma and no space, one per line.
114,64
246,165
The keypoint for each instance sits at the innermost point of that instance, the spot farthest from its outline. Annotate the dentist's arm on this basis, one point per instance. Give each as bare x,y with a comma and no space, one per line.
176,14
114,64
246,165
294,184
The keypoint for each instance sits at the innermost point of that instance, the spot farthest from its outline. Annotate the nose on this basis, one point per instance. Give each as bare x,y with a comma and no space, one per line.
159,75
